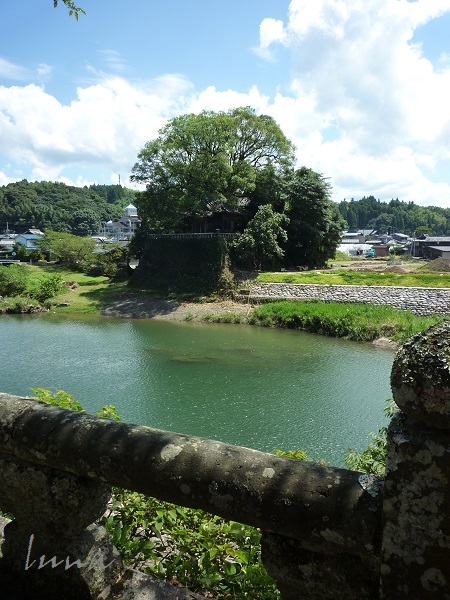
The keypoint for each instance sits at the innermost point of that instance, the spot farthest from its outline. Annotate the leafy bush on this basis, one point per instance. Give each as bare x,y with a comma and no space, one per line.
372,460
188,546
48,286
13,280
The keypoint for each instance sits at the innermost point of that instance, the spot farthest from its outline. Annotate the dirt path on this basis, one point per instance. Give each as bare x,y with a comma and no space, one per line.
133,307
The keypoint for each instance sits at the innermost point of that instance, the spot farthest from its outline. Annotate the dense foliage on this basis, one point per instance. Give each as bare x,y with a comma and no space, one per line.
315,225
404,217
238,162
57,206
205,161
258,247
187,265
373,459
16,280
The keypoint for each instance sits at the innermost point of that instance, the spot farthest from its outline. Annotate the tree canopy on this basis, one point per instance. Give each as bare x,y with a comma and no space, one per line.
206,160
395,215
258,247
315,224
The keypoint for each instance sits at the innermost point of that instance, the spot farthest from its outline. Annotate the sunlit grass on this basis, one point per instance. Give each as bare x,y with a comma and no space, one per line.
87,293
348,277
361,322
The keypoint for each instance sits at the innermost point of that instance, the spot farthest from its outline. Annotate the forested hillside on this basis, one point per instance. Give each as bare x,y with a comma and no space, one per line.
57,206
403,217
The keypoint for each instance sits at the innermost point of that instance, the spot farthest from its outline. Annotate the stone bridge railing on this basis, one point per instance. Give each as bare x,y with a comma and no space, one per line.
328,533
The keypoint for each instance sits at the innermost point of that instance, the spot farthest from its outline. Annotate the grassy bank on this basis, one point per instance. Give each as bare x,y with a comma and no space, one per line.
81,294
84,295
349,277
360,322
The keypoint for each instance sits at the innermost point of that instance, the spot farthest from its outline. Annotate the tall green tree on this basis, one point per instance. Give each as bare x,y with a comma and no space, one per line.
260,245
315,225
205,160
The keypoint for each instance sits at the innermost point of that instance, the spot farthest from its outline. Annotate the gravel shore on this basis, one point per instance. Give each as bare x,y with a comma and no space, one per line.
170,310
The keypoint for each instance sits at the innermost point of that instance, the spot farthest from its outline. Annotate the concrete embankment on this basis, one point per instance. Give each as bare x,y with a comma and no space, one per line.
421,301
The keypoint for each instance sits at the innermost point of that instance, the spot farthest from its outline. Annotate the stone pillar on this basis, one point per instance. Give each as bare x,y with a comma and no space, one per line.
317,574
51,549
415,557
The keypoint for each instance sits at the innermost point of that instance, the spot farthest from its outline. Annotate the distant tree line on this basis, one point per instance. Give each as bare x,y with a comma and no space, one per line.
59,207
395,215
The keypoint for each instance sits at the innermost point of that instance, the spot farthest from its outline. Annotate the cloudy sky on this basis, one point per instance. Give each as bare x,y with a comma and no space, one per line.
362,87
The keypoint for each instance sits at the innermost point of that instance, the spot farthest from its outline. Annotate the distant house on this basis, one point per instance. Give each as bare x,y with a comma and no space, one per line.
6,247
401,238
429,246
29,238
432,252
381,250
125,228
352,238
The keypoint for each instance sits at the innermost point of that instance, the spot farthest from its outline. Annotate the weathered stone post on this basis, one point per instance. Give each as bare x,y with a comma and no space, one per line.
324,564
415,557
51,548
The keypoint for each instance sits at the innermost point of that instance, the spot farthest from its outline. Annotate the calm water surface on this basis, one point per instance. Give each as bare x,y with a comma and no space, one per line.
262,388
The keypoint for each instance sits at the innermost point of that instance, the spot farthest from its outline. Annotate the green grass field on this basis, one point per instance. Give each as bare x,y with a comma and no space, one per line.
86,293
349,277
360,322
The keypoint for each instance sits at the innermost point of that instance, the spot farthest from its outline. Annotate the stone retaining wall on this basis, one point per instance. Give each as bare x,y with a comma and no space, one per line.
421,301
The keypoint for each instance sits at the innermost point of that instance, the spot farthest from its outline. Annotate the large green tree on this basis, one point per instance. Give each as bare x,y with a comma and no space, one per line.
315,224
204,161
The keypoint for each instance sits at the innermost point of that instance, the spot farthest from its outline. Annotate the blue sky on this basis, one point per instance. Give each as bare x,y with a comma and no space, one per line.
362,87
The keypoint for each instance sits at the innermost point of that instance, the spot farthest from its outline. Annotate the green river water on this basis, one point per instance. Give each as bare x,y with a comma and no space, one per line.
250,386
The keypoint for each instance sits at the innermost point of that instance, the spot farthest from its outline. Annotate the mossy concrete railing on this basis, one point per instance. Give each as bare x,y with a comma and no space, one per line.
327,532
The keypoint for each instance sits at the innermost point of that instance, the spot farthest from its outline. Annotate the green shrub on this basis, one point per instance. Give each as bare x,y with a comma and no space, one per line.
372,460
13,280
48,286
197,549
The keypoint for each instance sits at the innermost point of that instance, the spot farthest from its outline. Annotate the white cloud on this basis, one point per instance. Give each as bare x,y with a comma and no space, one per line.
113,60
377,106
44,71
365,107
270,31
9,70
5,179
107,124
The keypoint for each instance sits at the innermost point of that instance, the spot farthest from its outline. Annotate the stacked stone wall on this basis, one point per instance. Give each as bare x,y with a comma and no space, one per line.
421,301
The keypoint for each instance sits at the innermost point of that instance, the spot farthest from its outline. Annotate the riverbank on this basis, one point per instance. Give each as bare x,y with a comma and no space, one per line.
139,307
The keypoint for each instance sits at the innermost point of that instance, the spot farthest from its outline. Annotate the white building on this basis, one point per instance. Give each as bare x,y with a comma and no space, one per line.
125,228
